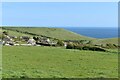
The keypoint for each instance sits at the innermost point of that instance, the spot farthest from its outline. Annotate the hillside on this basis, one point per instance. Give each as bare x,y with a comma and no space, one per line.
14,33
106,40
0,32
58,33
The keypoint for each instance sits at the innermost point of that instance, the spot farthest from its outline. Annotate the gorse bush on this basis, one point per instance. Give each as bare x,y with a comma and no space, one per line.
77,46
83,47
35,38
60,43
70,46
93,48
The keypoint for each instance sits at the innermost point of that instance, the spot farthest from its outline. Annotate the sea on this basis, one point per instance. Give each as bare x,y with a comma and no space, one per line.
95,32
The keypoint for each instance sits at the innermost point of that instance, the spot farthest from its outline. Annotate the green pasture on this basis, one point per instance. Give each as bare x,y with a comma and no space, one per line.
56,62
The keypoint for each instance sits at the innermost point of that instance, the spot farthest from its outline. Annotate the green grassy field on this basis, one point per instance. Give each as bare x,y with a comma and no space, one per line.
49,62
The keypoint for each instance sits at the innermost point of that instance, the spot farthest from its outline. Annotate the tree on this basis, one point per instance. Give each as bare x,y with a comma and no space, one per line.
35,38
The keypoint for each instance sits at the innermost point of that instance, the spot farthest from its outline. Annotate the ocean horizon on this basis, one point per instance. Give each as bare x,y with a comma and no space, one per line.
95,32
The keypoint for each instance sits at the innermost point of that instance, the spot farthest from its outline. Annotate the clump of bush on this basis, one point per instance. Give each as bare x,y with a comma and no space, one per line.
84,47
36,38
60,43
92,48
78,46
70,46
5,32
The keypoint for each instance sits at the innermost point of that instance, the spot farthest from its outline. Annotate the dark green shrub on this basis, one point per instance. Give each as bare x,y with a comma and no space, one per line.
60,43
5,32
97,49
93,48
74,46
35,38
86,48
70,46
78,46
116,46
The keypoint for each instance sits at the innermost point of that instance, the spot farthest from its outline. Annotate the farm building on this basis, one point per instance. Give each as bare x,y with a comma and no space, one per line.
31,41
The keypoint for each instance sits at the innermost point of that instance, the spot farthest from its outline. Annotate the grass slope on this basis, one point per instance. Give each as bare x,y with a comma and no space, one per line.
58,33
0,30
49,62
105,41
14,33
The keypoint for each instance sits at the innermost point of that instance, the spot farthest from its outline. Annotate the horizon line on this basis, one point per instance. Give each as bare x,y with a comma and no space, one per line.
60,26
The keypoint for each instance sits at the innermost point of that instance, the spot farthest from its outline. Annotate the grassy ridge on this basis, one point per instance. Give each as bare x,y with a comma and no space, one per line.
48,62
58,33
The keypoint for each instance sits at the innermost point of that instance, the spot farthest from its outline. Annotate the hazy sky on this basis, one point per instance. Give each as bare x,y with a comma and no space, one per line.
60,14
